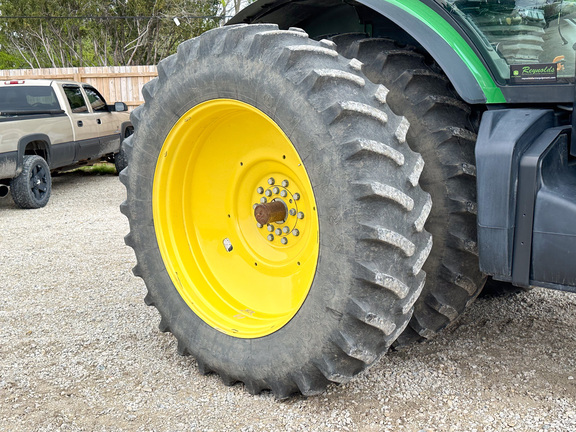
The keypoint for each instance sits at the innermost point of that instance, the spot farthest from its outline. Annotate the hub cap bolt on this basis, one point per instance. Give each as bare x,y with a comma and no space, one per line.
285,183
286,230
270,228
270,237
260,190
300,215
292,212
296,196
271,181
268,193
284,240
275,190
283,193
278,231
296,232
263,200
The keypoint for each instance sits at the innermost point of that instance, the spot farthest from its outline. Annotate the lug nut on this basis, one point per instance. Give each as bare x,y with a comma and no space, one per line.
296,196
268,193
300,215
283,240
270,228
278,231
270,237
260,190
296,232
254,206
275,190
286,230
285,183
271,181
283,194
259,225
292,212
263,200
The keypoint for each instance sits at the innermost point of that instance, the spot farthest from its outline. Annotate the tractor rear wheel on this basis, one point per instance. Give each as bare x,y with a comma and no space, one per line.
274,209
442,130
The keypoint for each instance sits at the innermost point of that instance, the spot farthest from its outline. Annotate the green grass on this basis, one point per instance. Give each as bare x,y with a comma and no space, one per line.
98,169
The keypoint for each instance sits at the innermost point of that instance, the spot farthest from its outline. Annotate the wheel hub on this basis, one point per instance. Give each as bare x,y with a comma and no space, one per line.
277,213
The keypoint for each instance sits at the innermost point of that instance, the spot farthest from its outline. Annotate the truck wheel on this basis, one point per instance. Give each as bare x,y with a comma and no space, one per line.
441,129
32,188
120,161
274,209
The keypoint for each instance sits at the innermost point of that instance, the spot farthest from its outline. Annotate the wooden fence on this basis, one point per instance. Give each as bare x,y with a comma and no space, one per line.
116,83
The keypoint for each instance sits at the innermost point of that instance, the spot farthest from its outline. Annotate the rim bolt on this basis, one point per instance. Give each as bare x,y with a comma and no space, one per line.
286,230
275,190
260,190
270,237
283,240
292,212
285,183
259,225
278,231
296,232
270,228
268,193
263,200
283,193
300,215
271,181
296,196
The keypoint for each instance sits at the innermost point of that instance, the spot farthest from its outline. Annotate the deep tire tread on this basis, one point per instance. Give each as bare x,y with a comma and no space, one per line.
441,129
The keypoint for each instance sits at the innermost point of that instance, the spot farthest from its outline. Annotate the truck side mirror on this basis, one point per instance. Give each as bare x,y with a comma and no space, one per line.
120,106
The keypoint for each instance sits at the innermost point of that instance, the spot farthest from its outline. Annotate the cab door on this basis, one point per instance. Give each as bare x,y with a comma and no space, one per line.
108,123
84,122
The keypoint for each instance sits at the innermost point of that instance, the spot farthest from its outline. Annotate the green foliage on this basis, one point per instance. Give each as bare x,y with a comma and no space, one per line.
117,32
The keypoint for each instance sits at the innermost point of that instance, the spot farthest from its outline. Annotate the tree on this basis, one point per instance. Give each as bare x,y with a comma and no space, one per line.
67,33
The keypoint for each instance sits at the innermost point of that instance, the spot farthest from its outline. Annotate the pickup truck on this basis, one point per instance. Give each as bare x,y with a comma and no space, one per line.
46,125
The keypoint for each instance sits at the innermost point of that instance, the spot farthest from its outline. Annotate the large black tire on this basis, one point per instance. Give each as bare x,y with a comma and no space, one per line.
32,188
442,130
370,209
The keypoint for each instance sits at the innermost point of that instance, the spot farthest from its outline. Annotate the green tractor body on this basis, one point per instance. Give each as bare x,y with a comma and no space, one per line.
321,179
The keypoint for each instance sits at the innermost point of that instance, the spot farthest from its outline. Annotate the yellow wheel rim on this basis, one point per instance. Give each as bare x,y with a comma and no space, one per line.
221,159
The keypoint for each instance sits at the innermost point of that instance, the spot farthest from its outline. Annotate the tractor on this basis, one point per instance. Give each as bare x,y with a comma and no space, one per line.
321,180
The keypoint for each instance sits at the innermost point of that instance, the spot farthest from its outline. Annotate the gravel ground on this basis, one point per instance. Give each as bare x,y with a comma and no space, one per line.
79,350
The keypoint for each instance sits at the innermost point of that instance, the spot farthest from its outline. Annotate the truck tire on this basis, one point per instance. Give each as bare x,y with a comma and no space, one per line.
120,161
247,115
442,130
32,188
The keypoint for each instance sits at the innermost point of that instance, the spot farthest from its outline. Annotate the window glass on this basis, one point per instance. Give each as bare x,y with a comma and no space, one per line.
27,98
522,32
75,99
96,100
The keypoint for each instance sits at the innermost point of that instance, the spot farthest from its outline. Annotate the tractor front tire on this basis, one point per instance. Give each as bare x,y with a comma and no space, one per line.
246,121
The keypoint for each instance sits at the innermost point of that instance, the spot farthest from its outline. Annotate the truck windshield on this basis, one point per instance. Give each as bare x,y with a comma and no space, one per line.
19,98
522,32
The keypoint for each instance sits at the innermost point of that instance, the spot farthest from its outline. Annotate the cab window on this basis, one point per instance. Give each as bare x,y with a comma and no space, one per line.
96,100
75,99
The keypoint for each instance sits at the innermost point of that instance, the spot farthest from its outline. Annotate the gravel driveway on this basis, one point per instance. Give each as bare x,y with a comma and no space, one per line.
79,350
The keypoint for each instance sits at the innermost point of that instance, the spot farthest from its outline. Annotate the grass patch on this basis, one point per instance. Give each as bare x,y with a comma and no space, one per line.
98,169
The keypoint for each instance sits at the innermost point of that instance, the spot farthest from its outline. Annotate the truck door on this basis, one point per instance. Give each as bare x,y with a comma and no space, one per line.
84,122
108,124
